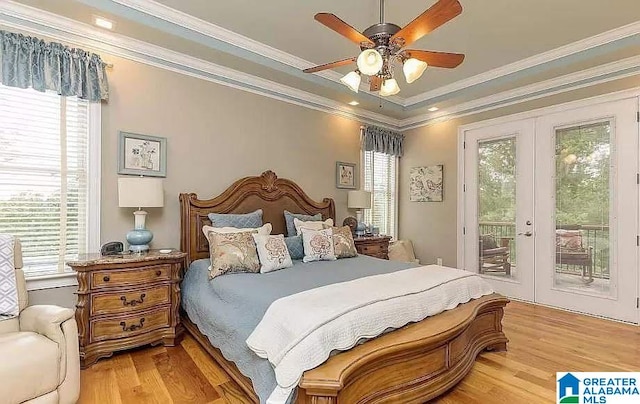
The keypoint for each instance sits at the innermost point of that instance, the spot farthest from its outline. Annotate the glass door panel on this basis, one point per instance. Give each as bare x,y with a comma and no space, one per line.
583,169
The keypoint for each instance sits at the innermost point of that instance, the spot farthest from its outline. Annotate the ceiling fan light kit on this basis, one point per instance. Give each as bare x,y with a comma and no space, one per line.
352,80
382,46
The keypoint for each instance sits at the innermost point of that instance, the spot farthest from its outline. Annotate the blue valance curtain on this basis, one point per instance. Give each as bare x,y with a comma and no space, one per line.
31,62
383,140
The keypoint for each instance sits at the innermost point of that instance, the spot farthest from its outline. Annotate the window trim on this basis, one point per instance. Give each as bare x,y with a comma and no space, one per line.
55,280
397,187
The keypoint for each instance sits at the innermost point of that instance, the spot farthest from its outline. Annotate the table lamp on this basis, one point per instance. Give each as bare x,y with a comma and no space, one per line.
359,200
140,192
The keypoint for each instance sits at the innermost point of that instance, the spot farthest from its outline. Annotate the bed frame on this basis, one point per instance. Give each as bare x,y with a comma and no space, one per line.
411,365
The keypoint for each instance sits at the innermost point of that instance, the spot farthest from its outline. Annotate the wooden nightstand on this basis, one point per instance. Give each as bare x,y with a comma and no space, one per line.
376,246
126,301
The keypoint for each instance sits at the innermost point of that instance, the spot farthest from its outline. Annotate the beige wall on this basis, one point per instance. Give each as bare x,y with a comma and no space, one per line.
215,135
432,225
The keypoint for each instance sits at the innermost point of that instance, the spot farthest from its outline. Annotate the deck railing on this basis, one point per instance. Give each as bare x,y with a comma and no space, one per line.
593,236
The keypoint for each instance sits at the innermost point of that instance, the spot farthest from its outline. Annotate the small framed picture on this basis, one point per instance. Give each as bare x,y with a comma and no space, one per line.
346,175
142,155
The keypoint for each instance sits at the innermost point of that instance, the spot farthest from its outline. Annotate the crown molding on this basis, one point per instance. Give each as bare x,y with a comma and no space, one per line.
569,82
582,45
211,30
37,21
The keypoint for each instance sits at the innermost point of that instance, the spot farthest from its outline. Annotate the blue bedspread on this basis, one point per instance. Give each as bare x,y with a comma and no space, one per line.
228,308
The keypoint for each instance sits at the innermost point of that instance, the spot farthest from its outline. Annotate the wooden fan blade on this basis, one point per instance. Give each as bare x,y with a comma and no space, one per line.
438,14
331,21
436,59
376,83
331,65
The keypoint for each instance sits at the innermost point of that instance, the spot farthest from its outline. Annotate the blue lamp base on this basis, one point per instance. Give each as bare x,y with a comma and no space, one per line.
139,238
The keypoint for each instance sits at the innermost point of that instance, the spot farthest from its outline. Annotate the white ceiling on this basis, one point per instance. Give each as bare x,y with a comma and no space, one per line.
494,35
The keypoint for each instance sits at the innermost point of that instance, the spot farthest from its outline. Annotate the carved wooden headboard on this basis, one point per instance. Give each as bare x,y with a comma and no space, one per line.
267,192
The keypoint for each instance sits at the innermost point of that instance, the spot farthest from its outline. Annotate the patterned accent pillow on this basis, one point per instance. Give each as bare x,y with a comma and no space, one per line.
295,247
570,240
273,253
264,230
343,243
238,220
232,252
291,228
312,225
318,245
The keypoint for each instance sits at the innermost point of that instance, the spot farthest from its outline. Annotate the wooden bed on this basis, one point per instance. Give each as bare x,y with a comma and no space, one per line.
411,365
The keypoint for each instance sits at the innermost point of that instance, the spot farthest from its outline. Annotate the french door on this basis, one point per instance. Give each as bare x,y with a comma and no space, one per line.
551,208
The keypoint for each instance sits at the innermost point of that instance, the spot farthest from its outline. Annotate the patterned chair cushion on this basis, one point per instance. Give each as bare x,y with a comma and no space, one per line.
343,244
295,247
288,218
318,245
569,240
487,242
238,220
273,253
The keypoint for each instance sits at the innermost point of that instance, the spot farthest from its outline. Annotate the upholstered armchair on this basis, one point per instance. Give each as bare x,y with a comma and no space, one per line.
39,351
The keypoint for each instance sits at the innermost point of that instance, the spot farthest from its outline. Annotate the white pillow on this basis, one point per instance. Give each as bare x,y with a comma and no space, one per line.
311,225
318,245
264,230
272,252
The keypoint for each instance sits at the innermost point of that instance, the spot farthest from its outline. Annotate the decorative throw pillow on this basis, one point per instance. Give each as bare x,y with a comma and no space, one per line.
272,252
291,228
343,243
238,220
311,225
264,230
232,252
295,247
318,245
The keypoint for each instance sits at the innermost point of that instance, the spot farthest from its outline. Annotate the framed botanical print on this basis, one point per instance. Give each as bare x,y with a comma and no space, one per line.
346,175
142,155
425,184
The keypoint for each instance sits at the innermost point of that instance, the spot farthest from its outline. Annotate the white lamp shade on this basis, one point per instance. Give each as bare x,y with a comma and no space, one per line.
370,62
359,200
352,80
413,69
389,87
140,192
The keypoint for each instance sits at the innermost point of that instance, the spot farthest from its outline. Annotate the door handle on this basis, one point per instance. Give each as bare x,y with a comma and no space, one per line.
526,234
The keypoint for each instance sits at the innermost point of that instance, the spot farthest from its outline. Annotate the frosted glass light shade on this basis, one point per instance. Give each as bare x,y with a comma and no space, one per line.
413,69
352,80
389,87
359,200
140,192
370,62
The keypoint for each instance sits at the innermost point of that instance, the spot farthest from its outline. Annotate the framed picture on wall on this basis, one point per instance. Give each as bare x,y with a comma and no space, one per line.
425,184
142,155
346,175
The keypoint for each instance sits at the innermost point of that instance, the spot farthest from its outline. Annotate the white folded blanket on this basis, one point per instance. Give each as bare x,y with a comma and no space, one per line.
298,332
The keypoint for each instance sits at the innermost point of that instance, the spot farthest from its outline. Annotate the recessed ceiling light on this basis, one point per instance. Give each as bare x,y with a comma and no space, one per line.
103,22
433,109
354,103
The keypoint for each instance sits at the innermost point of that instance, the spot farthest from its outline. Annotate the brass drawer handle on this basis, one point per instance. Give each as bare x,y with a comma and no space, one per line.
132,327
106,278
158,272
133,302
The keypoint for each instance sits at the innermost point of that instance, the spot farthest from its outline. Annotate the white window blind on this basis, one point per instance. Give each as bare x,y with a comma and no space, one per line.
44,182
380,173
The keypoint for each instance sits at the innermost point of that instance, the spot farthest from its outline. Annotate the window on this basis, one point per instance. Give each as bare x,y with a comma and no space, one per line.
49,190
380,178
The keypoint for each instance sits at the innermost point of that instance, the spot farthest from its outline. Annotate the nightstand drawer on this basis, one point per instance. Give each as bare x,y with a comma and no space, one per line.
373,249
127,326
122,302
134,276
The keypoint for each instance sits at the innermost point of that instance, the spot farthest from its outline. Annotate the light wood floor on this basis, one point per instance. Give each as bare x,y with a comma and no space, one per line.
542,342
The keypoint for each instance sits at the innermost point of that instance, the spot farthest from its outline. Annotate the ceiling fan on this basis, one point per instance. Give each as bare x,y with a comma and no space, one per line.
382,45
